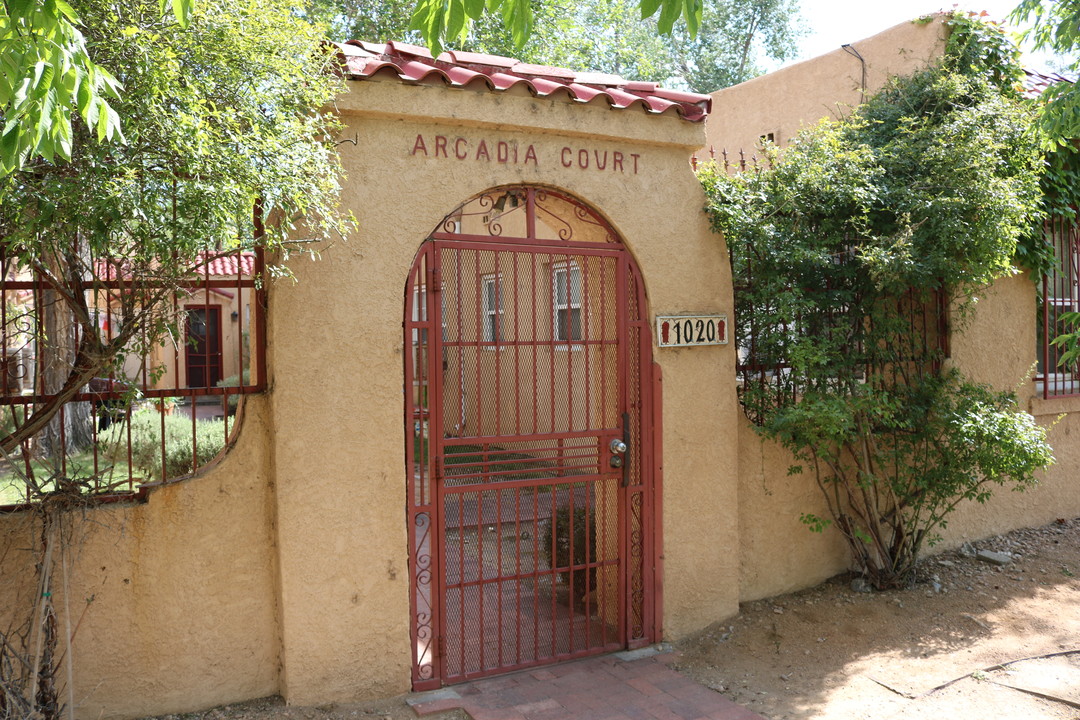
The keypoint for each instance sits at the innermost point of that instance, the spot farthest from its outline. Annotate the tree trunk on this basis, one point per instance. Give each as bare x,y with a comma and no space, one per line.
71,429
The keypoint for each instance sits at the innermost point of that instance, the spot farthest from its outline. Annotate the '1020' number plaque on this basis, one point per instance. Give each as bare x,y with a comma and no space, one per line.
691,330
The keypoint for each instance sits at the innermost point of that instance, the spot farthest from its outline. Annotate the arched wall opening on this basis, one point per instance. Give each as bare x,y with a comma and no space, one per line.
529,456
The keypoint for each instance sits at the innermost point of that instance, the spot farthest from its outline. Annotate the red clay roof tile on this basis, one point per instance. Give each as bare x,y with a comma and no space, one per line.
1036,82
218,266
470,58
546,71
455,68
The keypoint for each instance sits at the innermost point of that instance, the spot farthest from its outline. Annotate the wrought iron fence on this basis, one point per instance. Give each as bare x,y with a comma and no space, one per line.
160,410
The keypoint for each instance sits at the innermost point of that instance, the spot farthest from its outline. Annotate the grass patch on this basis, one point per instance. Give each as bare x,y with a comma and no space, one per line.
111,475
112,455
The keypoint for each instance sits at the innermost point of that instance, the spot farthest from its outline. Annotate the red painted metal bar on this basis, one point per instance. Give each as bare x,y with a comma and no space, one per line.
433,313
623,527
413,461
538,247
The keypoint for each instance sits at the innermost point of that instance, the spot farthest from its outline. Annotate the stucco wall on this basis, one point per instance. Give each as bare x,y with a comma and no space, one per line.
785,101
778,553
174,599
997,346
336,343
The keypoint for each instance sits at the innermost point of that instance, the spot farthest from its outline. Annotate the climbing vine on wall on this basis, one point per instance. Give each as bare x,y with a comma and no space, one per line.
850,251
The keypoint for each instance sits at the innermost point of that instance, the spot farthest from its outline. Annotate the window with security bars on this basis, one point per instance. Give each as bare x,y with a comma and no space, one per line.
566,302
492,308
1060,294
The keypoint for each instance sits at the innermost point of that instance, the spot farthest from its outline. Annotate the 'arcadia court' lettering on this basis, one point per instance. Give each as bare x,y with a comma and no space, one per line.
512,152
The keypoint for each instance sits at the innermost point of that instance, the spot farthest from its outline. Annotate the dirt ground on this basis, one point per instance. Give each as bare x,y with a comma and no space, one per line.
972,641
935,651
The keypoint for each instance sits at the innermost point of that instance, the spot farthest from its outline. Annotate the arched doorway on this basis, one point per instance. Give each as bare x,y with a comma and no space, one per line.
529,439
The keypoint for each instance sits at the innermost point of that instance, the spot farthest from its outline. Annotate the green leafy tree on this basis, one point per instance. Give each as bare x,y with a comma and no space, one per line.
226,112
372,20
846,250
733,35
48,77
602,35
1055,25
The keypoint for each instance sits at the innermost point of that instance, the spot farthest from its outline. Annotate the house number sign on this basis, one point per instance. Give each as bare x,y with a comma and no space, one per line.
691,330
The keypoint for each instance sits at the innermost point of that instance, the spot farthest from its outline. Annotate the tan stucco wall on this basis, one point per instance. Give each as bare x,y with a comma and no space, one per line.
785,101
338,366
183,612
778,553
997,346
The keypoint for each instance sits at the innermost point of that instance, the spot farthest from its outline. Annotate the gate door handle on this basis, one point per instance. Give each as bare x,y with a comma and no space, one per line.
618,448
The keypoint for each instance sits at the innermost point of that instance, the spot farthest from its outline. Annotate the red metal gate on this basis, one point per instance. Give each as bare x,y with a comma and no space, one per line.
528,440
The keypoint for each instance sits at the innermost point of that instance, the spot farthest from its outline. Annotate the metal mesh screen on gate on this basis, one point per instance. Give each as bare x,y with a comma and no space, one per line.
527,545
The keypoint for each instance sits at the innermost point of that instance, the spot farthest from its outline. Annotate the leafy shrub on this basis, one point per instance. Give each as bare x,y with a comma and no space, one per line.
146,449
584,535
235,381
854,254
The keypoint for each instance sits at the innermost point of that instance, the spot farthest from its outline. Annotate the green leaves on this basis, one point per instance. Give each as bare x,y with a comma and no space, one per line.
46,69
216,115
1056,26
846,249
49,79
181,10
441,22
670,11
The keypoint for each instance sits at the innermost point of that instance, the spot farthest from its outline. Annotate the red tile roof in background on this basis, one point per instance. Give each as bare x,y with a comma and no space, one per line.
415,65
218,266
1035,82
228,264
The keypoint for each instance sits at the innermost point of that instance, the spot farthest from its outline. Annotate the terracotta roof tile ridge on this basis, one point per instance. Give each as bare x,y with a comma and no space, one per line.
682,96
1052,77
1037,82
592,77
546,71
406,49
458,68
462,57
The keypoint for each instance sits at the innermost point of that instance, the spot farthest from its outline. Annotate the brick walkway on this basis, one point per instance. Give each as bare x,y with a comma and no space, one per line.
636,685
